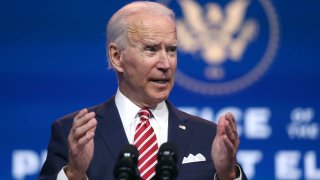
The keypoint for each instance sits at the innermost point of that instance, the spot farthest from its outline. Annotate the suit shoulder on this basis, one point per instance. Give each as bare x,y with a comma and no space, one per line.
196,120
67,119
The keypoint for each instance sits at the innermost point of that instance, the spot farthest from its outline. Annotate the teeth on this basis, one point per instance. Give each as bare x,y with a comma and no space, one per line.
160,82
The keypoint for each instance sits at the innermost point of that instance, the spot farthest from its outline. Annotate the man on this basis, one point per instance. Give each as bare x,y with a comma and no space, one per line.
142,48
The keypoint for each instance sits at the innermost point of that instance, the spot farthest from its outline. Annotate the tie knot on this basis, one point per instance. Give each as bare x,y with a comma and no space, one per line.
144,114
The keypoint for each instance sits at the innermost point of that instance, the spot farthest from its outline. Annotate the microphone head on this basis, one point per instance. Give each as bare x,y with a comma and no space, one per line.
129,151
126,167
167,162
168,150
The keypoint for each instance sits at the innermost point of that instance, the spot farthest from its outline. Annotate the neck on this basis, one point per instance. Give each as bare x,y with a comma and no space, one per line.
137,101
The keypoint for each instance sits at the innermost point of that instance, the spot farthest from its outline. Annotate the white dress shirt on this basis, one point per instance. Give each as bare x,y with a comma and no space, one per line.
129,116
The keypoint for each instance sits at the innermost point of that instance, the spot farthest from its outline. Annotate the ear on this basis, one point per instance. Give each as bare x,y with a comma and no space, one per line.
115,57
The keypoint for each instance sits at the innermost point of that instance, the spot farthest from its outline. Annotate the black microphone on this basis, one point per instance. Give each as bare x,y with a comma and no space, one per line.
167,162
126,167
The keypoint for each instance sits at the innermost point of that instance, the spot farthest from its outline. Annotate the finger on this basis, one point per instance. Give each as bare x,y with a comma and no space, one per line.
93,129
81,113
86,138
230,134
231,148
81,131
221,126
230,153
84,119
230,118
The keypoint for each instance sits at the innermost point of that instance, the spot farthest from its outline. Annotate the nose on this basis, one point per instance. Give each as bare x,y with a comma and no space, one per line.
164,62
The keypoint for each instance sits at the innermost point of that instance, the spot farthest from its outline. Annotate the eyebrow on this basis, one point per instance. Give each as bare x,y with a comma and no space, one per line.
153,43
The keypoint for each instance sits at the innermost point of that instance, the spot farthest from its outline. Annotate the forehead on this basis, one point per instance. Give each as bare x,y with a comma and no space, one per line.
147,27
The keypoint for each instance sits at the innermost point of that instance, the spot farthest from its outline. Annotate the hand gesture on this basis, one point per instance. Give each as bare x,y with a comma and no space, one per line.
225,146
81,144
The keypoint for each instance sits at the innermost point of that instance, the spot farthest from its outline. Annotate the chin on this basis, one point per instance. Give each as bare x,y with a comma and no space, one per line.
161,96
156,95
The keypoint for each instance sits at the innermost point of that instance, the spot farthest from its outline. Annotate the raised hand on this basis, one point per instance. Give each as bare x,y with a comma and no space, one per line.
225,147
80,144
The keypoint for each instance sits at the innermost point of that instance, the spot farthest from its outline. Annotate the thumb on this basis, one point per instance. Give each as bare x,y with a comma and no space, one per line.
221,127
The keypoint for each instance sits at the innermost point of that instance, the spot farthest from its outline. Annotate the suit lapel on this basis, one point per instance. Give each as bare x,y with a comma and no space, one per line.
110,127
179,132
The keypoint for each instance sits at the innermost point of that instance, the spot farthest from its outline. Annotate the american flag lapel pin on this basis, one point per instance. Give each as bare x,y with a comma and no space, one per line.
182,127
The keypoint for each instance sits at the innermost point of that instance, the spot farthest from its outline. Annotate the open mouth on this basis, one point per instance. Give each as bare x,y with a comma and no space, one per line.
160,81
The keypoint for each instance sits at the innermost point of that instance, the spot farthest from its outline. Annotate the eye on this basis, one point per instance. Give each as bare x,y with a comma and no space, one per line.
172,49
150,48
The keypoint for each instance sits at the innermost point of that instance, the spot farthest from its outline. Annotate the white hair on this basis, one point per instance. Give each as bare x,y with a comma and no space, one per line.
118,23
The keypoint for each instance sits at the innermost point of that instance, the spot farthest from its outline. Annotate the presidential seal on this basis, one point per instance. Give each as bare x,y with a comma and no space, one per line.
225,46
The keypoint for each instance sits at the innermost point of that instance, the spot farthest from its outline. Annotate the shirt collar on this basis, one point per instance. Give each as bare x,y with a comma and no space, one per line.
128,110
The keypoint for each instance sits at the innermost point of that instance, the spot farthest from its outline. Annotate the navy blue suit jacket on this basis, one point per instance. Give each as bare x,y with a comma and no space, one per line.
110,138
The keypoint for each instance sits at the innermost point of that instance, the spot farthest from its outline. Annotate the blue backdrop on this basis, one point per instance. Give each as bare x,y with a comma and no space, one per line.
261,63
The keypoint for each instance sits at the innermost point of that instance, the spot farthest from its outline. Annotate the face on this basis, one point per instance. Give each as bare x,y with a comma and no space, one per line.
147,66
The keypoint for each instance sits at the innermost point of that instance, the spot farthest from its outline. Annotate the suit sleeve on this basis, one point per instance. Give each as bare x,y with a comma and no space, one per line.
240,176
57,156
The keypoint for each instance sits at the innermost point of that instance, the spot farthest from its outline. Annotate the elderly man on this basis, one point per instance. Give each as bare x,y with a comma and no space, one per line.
142,47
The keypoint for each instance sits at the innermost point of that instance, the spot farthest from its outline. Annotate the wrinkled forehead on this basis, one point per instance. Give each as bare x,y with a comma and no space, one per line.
151,27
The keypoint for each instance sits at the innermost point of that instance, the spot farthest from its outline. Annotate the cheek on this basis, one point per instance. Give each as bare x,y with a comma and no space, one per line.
173,65
138,73
130,66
